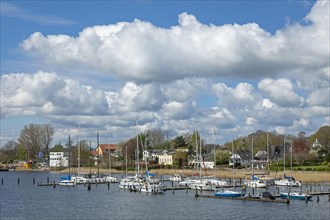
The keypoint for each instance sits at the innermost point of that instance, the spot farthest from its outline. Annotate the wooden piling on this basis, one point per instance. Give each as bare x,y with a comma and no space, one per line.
17,181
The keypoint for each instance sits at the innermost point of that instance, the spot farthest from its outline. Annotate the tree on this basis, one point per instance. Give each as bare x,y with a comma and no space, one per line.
323,137
179,142
46,132
57,148
9,151
30,139
301,148
35,138
156,137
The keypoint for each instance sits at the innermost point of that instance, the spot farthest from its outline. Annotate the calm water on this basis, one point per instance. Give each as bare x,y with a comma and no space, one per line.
28,201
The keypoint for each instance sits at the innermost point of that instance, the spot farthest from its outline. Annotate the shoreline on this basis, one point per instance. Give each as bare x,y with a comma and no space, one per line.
303,176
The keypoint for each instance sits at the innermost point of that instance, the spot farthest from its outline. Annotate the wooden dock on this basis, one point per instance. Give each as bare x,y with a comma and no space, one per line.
256,199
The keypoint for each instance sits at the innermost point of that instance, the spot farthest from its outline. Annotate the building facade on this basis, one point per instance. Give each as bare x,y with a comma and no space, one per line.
57,159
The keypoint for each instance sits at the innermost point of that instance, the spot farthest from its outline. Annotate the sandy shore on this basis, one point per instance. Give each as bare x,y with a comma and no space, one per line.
304,176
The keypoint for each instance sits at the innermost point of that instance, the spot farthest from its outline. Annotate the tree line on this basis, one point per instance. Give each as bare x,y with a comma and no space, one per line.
35,138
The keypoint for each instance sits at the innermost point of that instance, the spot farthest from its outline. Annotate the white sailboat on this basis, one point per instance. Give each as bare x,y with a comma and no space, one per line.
201,183
288,180
255,181
151,184
133,183
230,192
67,180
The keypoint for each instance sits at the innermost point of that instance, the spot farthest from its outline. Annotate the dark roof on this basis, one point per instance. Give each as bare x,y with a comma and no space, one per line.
244,154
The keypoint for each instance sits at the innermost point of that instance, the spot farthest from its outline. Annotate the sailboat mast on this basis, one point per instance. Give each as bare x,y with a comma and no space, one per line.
90,159
196,143
98,156
291,159
284,156
233,156
79,149
137,149
252,160
268,153
69,156
215,144
200,156
109,151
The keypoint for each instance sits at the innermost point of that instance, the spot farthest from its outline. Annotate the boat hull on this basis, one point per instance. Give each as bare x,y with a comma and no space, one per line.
298,196
228,194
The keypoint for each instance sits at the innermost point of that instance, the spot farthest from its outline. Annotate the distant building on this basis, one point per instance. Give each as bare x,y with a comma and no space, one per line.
57,159
166,157
241,158
261,159
315,147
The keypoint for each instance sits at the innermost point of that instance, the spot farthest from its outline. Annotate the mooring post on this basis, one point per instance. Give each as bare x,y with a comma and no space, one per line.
34,181
1,181
108,185
17,181
54,185
48,180
196,194
89,186
187,190
315,187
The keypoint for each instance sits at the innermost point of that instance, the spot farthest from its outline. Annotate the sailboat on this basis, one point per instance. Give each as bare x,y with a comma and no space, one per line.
66,180
151,184
133,183
201,183
288,180
109,178
296,195
230,192
255,181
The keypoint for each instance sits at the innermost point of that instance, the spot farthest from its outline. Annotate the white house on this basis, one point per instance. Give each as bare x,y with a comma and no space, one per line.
205,164
166,157
57,159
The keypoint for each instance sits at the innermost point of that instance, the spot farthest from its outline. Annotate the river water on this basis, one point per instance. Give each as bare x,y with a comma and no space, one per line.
29,201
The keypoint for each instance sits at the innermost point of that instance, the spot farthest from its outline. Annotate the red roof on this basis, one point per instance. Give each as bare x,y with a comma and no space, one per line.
106,147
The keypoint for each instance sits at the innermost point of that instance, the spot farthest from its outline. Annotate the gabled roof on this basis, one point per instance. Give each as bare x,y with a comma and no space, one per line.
244,154
106,147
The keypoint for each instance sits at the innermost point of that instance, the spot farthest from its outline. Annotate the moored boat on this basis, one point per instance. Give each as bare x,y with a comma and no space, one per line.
228,193
296,195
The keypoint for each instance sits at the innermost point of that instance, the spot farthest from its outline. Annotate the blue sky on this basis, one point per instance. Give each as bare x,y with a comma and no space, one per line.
241,65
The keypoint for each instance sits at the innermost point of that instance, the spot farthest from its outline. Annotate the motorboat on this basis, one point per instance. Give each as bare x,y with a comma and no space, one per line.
296,195
228,193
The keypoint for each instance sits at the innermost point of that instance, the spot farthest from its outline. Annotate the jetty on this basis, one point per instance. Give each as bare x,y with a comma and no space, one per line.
256,199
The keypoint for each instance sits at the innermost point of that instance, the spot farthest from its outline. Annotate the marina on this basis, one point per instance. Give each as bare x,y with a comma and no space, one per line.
103,200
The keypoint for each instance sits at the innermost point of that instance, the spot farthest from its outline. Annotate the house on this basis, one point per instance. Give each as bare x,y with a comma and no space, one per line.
316,147
151,155
260,160
106,148
57,159
166,157
241,158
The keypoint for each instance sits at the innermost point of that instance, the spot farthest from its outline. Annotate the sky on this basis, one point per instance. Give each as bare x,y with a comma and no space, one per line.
229,67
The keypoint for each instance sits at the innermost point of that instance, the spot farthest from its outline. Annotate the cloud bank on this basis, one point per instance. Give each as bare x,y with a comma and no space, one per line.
281,80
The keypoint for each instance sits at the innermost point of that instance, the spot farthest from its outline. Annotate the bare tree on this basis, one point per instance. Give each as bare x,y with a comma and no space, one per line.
156,137
46,138
35,138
